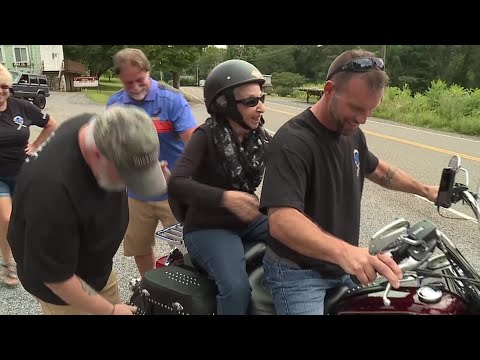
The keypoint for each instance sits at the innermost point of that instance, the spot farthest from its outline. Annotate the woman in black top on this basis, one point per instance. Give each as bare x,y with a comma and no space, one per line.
16,116
212,187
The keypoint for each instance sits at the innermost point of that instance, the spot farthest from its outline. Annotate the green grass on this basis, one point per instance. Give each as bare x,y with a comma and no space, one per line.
107,89
448,108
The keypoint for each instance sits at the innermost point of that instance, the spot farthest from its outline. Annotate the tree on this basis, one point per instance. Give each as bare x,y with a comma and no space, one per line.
210,57
311,62
243,52
274,58
97,58
173,58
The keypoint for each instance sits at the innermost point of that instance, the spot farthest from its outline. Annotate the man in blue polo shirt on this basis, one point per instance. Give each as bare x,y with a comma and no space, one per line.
175,123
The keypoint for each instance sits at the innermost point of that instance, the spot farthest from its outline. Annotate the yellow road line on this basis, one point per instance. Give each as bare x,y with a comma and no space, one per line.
433,148
393,138
280,111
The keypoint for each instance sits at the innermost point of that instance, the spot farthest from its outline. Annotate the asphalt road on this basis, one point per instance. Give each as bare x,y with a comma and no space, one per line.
421,152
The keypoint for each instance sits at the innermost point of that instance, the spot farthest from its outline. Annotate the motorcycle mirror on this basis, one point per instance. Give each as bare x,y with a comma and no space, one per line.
455,163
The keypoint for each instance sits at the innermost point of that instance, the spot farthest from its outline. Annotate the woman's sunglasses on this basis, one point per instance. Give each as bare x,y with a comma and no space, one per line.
359,65
252,101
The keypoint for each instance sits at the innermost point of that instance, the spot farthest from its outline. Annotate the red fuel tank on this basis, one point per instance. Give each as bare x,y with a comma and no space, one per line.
423,300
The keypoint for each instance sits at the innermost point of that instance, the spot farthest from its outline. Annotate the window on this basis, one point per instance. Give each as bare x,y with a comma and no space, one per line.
21,54
15,75
33,80
43,81
24,79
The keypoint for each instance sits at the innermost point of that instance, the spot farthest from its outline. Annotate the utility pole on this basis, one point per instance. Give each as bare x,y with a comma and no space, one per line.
384,56
197,77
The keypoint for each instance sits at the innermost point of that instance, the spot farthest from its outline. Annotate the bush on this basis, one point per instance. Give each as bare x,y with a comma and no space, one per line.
442,106
187,81
287,80
449,108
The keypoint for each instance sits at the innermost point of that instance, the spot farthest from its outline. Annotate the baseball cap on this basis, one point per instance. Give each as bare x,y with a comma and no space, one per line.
125,135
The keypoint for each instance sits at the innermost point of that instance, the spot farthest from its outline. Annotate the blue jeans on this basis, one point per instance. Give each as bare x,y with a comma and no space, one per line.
297,291
220,253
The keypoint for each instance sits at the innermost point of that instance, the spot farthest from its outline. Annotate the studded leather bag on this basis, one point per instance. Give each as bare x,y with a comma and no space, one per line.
175,290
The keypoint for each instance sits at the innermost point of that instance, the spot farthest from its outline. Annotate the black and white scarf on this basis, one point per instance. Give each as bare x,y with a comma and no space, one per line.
244,163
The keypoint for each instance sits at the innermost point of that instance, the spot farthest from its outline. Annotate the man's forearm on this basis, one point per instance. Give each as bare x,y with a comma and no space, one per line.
76,292
295,230
396,179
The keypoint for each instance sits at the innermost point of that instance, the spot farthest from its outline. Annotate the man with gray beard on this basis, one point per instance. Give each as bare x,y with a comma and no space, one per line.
174,121
70,211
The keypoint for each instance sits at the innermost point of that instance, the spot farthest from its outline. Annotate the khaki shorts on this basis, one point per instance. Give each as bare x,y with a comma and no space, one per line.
144,216
109,292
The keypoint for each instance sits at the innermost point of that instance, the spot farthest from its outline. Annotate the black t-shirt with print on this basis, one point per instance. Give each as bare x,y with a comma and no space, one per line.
15,122
62,222
321,174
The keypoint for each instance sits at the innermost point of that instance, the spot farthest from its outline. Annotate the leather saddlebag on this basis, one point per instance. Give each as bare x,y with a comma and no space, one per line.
174,290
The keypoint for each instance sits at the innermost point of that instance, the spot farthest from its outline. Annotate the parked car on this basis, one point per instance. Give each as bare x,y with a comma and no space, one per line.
31,87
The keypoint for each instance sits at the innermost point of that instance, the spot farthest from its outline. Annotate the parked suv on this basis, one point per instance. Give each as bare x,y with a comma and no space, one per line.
30,86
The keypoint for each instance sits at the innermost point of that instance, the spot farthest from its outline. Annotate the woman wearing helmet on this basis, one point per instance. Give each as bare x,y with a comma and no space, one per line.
212,187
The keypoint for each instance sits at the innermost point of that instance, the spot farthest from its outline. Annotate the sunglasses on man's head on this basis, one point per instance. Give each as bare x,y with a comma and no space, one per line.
251,101
4,87
359,65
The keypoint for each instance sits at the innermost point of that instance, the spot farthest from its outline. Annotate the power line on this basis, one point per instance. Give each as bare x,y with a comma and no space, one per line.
273,53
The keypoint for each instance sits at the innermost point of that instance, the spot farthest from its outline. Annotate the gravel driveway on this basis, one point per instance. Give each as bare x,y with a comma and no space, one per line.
16,301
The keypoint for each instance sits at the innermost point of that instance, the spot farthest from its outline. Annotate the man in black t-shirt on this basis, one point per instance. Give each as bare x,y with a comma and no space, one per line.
70,211
312,190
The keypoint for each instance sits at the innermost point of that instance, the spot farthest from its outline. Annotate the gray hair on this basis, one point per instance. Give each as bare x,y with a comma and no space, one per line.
130,57
89,138
121,132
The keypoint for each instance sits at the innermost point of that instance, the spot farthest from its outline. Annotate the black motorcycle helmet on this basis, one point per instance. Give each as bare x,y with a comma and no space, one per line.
219,85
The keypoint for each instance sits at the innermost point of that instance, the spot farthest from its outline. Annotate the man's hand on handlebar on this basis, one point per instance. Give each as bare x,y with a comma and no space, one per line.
358,261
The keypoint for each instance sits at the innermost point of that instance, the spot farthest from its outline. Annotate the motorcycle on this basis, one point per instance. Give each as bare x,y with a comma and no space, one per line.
437,277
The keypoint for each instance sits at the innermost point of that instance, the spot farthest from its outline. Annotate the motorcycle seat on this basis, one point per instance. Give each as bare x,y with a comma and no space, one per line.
262,301
332,297
254,254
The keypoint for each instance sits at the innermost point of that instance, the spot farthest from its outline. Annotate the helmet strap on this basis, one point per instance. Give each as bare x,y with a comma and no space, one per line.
232,110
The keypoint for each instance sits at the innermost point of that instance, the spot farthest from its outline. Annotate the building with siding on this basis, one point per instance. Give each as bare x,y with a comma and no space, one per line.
43,59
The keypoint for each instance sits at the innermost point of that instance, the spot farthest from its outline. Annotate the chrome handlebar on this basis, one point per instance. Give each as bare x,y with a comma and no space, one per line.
392,236
472,199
